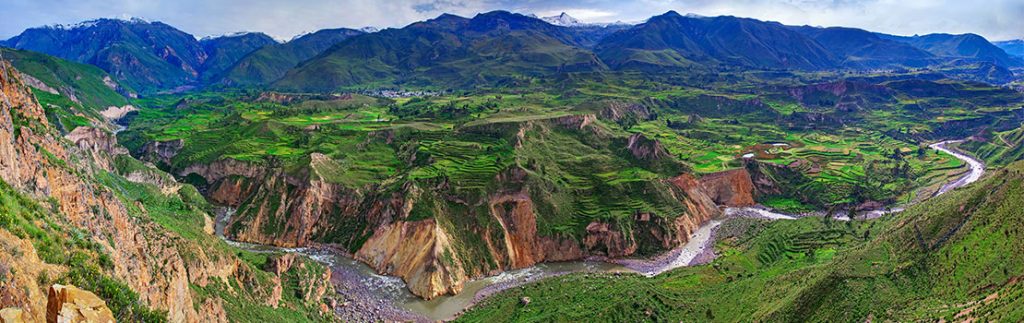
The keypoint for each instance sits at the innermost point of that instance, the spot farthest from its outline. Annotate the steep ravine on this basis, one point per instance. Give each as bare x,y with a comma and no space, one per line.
279,209
529,257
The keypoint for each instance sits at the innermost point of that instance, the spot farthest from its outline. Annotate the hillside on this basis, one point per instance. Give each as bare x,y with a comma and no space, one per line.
673,40
72,94
147,56
861,49
78,210
84,84
491,48
966,46
998,147
225,51
270,63
1012,47
950,258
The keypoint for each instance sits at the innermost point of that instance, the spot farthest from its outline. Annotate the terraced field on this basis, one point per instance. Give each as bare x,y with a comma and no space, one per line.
949,258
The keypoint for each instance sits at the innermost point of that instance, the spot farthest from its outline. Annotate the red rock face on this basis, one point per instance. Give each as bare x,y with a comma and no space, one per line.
424,252
730,188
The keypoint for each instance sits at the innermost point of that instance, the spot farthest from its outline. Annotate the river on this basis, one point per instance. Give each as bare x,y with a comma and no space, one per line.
975,169
368,296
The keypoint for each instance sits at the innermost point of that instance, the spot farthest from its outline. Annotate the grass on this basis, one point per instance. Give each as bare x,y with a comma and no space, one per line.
754,259
59,242
460,148
933,261
83,81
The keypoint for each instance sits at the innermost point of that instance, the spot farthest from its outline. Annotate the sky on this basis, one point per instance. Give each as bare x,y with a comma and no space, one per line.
283,19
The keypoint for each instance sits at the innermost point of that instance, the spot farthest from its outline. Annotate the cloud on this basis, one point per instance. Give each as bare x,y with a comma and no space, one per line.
995,19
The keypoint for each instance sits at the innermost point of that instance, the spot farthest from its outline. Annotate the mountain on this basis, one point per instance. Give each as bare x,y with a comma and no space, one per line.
87,85
673,40
223,52
563,19
963,46
858,48
490,48
1012,47
272,62
589,34
148,56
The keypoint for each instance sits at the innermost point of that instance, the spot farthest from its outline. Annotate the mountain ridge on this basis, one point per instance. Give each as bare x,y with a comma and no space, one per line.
154,57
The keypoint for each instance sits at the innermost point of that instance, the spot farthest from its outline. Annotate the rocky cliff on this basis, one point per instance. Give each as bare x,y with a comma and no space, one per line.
435,255
35,159
70,304
120,249
730,188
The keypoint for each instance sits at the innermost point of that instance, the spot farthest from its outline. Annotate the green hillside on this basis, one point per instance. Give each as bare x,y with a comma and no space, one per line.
91,87
270,63
495,48
72,94
954,257
998,148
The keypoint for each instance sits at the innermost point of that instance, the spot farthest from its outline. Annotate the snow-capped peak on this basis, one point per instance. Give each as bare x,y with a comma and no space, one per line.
137,20
369,29
84,24
94,22
229,35
563,19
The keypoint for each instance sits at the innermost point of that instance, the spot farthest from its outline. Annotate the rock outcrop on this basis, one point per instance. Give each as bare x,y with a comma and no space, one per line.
12,315
161,152
730,188
418,251
115,113
699,205
20,265
71,304
156,263
617,111
280,209
646,149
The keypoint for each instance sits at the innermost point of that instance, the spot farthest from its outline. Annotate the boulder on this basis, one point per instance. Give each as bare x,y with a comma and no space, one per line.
12,315
71,304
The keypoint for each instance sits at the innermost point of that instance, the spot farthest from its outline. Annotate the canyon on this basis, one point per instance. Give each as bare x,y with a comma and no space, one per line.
421,251
69,172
